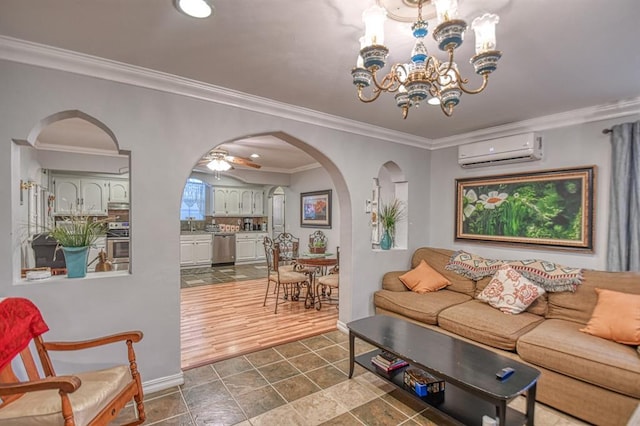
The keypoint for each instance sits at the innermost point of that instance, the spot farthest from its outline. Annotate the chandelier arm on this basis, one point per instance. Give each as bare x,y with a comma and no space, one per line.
387,83
376,95
485,80
448,111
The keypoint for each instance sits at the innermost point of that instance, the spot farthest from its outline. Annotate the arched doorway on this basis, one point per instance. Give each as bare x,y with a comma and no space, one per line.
319,175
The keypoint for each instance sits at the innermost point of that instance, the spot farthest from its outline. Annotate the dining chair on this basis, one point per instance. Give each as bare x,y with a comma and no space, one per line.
326,283
289,246
291,281
88,398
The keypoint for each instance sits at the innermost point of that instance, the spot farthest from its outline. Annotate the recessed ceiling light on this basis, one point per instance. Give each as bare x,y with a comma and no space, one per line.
195,8
433,101
255,155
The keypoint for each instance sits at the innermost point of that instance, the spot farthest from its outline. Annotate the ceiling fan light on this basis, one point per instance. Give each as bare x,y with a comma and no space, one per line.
218,165
195,8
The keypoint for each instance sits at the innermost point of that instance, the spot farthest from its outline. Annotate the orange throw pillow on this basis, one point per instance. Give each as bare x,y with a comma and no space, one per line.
616,317
424,279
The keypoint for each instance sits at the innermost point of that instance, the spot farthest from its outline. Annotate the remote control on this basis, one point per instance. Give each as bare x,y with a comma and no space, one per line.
504,373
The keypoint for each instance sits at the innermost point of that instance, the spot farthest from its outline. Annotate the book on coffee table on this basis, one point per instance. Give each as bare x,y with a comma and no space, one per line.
388,362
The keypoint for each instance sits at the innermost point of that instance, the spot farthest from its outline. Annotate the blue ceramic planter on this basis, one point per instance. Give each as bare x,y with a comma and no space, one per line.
76,261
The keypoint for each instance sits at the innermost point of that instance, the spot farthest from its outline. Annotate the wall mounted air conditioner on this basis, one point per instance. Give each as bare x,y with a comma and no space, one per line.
510,149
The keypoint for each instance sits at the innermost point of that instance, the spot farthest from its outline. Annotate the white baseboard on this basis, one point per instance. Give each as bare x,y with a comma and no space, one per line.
162,383
342,327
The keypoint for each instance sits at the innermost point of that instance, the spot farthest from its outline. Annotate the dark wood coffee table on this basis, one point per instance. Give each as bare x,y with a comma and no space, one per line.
472,389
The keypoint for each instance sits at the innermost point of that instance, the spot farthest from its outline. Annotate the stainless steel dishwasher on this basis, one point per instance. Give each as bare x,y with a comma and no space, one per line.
224,248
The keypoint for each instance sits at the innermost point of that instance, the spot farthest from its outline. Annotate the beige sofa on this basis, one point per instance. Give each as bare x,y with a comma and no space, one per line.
588,377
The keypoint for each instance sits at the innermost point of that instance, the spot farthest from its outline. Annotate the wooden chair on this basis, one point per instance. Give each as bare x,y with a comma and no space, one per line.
290,280
328,282
90,398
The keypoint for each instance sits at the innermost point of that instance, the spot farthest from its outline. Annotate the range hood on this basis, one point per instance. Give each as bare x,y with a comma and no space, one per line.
118,206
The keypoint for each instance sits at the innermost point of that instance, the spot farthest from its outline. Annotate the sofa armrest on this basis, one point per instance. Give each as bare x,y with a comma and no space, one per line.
390,281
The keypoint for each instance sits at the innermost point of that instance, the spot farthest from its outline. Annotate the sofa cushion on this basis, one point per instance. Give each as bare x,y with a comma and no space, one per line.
616,317
437,259
420,307
391,281
509,291
478,321
424,279
558,345
538,307
578,306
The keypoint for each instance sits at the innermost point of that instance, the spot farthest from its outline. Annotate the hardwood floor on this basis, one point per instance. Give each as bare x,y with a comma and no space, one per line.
222,321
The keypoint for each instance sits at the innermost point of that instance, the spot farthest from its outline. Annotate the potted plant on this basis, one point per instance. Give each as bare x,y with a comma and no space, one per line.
75,234
318,247
389,215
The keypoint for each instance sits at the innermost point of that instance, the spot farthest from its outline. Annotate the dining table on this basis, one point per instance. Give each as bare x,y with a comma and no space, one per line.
315,264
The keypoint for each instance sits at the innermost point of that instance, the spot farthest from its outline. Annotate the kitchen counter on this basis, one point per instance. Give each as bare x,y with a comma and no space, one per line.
195,232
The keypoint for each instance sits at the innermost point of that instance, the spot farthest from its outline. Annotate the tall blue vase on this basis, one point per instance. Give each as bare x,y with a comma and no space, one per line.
76,261
385,242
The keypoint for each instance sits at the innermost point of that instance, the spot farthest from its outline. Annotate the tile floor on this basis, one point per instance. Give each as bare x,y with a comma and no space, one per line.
299,383
194,277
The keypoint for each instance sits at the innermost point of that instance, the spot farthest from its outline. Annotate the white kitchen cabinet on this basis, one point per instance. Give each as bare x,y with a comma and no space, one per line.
80,195
118,191
245,247
251,202
246,202
226,201
195,249
258,202
250,246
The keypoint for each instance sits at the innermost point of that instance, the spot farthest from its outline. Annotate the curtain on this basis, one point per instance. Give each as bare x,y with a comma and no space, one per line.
624,205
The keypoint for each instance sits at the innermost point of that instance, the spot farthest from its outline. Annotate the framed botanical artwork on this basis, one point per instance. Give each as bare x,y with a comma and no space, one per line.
550,208
315,209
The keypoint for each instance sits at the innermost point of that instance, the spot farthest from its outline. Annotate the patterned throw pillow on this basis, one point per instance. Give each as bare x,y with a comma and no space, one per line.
509,291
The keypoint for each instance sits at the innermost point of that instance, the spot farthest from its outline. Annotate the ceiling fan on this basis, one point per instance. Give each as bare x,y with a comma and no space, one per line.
219,160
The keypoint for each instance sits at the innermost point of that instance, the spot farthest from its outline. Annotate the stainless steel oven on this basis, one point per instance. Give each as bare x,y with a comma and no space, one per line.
118,245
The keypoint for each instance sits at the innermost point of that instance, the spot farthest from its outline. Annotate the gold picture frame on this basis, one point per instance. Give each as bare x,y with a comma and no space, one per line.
549,208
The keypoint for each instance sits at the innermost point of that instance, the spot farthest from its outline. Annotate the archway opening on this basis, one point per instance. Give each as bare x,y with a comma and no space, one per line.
282,328
70,164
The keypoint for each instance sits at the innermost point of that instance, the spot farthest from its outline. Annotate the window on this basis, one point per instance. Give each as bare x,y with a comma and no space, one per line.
193,200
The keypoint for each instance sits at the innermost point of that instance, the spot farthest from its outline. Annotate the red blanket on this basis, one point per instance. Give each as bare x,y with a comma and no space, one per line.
20,321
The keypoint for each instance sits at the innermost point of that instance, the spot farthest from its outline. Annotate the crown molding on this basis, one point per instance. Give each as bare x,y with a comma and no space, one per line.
25,52
607,111
30,53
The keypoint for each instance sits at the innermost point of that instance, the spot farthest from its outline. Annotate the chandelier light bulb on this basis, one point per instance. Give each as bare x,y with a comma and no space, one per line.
485,29
446,10
374,18
195,8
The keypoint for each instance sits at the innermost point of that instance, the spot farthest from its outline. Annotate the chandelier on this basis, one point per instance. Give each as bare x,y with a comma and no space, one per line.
424,77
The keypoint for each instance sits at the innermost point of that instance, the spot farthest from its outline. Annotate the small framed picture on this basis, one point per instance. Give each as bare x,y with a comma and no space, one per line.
315,209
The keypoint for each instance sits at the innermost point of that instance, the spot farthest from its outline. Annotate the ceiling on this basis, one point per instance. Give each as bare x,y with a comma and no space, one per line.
557,55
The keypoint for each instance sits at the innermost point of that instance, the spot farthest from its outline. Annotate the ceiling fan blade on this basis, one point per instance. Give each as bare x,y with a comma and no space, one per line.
242,161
